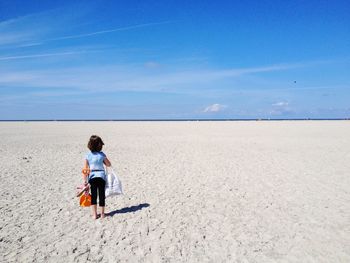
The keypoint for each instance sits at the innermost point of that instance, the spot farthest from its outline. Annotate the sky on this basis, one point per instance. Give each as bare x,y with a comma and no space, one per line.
174,59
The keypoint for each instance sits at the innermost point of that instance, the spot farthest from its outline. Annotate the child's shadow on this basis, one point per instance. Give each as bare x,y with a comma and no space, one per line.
128,209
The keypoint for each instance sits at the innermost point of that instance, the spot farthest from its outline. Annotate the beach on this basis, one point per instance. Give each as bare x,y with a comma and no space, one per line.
194,191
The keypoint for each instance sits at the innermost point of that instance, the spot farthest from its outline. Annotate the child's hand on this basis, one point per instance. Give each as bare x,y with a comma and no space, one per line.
86,171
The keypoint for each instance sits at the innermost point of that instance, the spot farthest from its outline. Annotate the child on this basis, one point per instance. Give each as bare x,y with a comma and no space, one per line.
96,176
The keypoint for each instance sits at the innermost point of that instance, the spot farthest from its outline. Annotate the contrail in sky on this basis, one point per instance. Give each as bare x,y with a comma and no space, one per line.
109,31
41,55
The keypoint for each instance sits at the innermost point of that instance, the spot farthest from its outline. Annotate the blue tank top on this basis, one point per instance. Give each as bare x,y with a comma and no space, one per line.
95,160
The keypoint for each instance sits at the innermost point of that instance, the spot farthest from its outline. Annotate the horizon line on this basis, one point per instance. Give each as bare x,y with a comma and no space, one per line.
190,119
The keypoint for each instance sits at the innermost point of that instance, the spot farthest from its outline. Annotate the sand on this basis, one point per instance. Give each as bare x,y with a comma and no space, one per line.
276,191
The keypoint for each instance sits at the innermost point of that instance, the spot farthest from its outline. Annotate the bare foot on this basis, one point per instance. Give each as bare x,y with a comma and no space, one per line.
94,216
102,216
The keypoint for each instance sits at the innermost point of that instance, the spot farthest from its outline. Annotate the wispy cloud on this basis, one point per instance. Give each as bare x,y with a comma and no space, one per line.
42,55
214,108
281,104
281,108
25,36
30,44
32,27
38,28
108,31
125,77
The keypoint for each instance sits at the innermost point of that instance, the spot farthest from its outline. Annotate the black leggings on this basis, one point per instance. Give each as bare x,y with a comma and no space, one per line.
97,184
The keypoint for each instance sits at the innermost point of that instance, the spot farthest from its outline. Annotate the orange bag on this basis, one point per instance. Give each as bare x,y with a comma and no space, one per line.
85,200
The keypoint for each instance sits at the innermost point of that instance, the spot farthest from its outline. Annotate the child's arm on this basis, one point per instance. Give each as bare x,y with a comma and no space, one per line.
107,162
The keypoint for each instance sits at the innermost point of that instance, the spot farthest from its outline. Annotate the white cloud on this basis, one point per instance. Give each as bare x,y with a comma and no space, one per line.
116,77
122,77
35,29
110,30
281,108
42,55
32,27
281,104
215,108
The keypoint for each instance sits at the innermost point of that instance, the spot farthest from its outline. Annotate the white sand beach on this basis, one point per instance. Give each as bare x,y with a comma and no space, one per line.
257,191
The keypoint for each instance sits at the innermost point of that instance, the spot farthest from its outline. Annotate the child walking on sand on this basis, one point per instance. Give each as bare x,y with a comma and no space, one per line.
96,175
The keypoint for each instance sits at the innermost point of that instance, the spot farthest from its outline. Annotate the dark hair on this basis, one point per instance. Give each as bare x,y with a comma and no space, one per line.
95,143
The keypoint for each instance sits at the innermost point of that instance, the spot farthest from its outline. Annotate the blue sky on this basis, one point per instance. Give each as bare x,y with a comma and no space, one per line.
174,59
